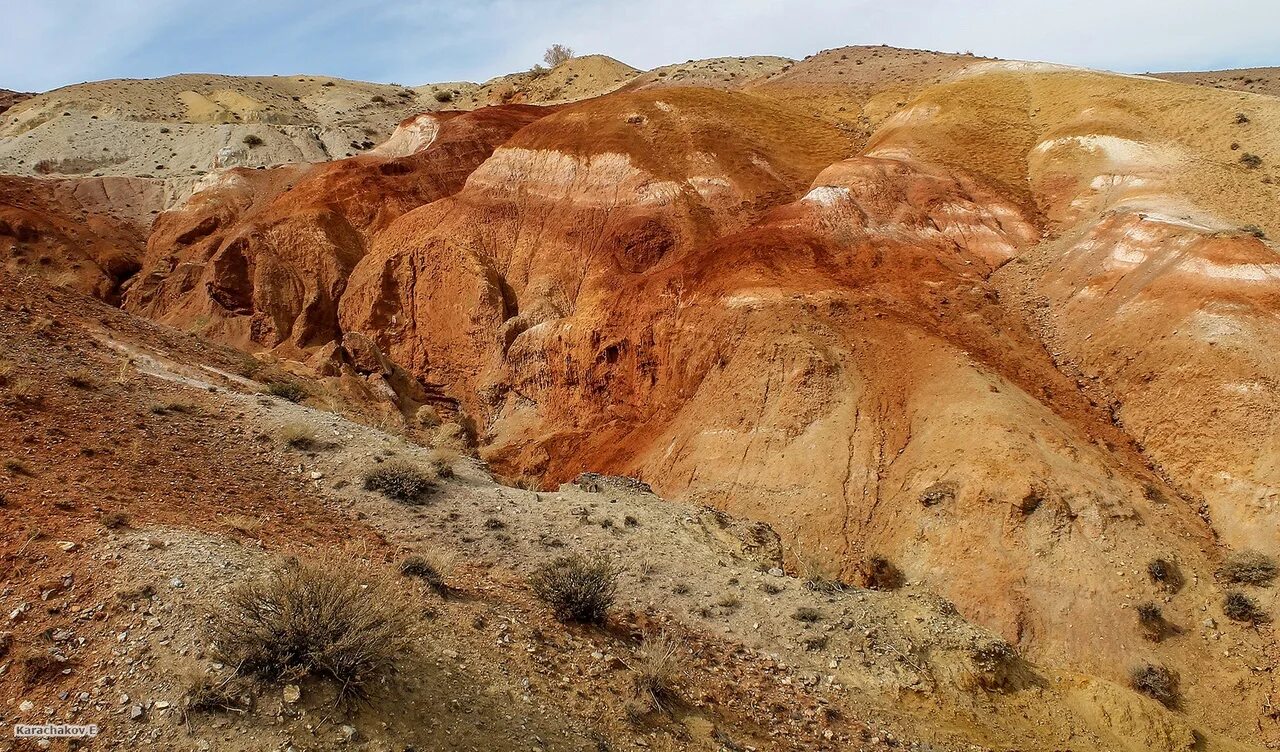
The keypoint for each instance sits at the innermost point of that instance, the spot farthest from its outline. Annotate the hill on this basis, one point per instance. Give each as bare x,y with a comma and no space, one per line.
964,351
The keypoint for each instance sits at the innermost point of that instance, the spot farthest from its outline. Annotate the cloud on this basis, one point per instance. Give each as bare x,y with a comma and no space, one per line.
56,42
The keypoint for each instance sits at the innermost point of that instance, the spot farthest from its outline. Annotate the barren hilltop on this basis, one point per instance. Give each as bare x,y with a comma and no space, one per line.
883,399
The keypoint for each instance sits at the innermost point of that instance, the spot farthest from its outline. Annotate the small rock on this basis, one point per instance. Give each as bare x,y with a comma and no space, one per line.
135,713
68,546
349,733
316,475
161,704
177,582
775,572
292,693
27,706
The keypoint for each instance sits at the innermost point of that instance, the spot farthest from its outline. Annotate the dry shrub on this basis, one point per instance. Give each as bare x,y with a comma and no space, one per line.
401,481
433,566
242,524
578,588
1239,607
441,461
40,668
1155,627
339,621
882,574
1157,682
1166,574
1248,568
175,407
657,671
207,694
114,520
807,614
82,378
24,392
287,390
299,436
18,467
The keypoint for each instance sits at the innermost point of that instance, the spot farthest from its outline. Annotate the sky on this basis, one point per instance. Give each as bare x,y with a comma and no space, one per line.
49,43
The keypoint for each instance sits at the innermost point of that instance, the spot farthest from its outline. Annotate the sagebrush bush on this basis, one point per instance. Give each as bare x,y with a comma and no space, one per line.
1248,568
253,140
807,614
1156,682
1166,574
1252,161
578,588
287,390
337,621
1239,607
400,481
444,96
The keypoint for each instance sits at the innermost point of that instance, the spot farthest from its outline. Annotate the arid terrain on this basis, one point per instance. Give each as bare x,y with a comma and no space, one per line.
899,399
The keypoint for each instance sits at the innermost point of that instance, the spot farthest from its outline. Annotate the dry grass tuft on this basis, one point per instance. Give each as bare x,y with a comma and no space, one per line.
433,566
441,461
658,669
299,436
207,694
339,621
578,588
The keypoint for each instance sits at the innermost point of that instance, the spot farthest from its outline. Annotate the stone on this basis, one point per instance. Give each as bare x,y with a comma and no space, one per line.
27,706
292,693
349,733
136,712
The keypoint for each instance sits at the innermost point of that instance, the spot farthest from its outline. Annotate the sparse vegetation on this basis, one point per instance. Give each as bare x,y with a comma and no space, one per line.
1255,231
175,407
252,140
729,601
1166,574
336,621
1241,118
1252,161
18,467
657,671
299,436
1248,568
40,668
770,587
807,614
82,378
1155,627
1157,682
400,481
287,390
432,567
444,96
207,694
114,520
24,392
1237,606
556,54
441,461
578,588
882,574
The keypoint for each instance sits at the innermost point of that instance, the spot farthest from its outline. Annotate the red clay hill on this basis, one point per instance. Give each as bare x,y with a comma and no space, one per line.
1004,331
